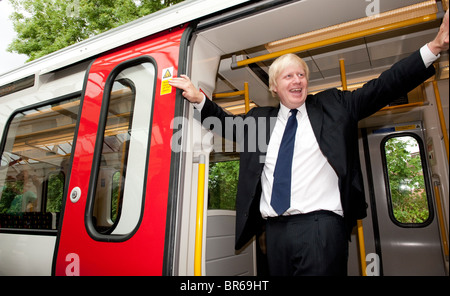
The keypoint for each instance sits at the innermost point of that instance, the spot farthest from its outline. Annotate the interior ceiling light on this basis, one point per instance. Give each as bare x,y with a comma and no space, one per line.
236,107
412,12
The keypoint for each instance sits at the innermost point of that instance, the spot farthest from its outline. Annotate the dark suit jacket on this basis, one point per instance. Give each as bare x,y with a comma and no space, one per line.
334,117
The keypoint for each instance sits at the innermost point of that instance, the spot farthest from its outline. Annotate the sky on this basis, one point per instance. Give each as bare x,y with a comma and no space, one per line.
8,61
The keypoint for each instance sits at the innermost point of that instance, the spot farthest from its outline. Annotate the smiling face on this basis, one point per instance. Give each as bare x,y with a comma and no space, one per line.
292,86
288,78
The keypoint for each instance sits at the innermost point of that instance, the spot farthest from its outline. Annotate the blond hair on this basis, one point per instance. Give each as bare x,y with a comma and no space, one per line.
280,64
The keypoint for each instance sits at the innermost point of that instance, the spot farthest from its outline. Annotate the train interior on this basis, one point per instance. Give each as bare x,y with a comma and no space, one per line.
216,47
345,41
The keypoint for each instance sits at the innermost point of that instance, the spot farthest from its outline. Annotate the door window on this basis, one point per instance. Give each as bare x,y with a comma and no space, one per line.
34,162
120,173
406,174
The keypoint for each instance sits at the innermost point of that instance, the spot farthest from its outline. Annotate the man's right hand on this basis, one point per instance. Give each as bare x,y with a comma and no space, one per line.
441,42
189,91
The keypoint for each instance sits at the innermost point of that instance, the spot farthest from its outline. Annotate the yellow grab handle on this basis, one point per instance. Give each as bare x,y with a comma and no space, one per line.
199,218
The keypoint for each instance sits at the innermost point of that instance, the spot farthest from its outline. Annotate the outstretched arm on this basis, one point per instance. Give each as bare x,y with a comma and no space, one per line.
440,42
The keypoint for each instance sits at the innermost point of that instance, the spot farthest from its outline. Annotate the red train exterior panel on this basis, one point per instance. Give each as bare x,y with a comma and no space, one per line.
142,253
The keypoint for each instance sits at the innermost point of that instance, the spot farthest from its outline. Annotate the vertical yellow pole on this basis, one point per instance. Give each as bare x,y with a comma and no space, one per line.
441,115
444,4
199,217
247,98
343,75
441,219
362,247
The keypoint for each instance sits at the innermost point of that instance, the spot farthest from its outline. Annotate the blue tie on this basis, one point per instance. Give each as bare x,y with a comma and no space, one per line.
281,190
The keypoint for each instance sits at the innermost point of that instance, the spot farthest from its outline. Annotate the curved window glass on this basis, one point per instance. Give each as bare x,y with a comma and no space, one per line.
405,168
34,163
120,182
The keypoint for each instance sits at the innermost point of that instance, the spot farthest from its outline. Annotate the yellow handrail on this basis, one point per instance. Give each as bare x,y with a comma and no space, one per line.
441,219
343,75
229,94
409,105
441,115
246,98
199,218
362,248
334,40
244,93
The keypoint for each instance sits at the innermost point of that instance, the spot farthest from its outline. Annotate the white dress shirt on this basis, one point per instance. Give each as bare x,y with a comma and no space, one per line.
427,56
314,183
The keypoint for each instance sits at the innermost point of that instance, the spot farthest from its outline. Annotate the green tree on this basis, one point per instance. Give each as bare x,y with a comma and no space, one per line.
406,180
55,190
11,191
222,187
44,26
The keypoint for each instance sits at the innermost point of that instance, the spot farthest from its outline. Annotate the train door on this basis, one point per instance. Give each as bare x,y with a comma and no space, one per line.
114,218
401,208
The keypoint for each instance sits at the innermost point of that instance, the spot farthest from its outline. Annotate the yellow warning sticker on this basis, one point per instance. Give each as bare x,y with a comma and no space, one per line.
167,75
406,127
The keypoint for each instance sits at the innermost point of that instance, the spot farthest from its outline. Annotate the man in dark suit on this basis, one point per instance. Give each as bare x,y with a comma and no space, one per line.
307,234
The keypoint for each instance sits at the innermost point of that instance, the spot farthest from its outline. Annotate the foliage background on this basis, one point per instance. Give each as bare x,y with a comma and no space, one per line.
222,186
406,180
45,26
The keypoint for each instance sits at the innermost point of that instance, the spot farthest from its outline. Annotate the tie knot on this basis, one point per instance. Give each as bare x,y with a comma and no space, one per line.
294,112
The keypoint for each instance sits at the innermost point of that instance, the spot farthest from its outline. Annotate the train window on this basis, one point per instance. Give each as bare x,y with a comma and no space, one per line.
34,159
119,191
223,174
222,185
405,169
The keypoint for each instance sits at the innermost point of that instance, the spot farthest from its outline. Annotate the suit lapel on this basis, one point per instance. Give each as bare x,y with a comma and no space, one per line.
270,122
330,143
315,114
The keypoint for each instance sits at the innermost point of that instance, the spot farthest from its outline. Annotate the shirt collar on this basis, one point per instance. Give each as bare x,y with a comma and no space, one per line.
284,111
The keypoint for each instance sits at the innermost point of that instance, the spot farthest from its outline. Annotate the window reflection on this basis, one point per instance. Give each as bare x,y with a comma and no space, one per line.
34,163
